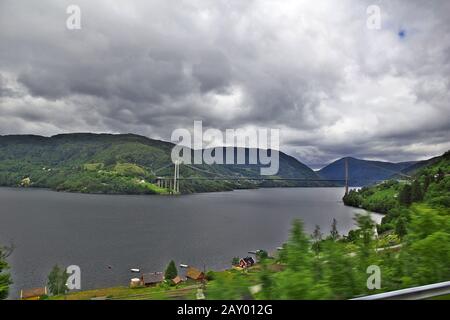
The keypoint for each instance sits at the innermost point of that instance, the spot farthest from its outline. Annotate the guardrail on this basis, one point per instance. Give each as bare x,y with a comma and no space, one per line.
416,293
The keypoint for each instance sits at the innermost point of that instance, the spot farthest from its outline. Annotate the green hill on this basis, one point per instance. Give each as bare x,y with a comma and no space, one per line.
125,163
363,172
428,189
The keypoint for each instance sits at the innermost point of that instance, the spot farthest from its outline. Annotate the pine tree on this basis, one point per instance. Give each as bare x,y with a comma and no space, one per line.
171,271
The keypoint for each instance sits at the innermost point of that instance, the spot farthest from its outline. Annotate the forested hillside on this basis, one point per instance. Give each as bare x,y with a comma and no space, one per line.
427,189
105,163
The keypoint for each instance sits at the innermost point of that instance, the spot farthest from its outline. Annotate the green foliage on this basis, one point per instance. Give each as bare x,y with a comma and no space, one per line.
416,191
229,286
261,255
400,227
317,238
405,197
210,275
129,169
352,199
430,185
380,198
171,271
93,166
57,280
334,233
102,163
417,217
5,278
266,278
235,261
338,271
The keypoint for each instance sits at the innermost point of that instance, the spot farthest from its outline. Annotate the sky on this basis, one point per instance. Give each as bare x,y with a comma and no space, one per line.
313,69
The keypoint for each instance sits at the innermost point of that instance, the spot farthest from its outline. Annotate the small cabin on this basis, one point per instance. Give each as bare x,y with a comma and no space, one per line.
195,274
33,294
246,262
153,278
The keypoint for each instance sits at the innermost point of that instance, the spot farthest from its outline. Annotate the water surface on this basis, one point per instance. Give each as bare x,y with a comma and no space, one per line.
106,235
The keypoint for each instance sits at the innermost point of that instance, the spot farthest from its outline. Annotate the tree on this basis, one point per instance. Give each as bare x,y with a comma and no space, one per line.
266,280
352,199
171,271
57,280
366,227
416,191
297,280
430,258
5,278
405,195
317,238
440,175
235,261
400,227
339,271
426,182
334,233
365,253
298,253
261,255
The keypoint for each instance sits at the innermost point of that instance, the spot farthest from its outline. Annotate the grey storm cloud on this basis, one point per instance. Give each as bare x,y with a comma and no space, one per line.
310,68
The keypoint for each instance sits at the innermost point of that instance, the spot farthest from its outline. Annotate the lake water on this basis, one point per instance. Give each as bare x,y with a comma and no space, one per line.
106,235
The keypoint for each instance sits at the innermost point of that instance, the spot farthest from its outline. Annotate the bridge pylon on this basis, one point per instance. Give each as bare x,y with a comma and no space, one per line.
346,176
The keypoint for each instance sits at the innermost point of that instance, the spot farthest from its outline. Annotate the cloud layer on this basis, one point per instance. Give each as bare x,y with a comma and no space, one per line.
311,68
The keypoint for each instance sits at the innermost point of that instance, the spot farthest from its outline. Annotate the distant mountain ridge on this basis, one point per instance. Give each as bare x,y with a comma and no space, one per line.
364,172
123,163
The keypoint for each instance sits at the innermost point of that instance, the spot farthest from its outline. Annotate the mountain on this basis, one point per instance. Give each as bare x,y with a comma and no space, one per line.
363,172
123,163
417,166
428,185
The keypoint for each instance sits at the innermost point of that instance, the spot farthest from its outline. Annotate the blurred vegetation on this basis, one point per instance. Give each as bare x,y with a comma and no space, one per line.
5,277
411,247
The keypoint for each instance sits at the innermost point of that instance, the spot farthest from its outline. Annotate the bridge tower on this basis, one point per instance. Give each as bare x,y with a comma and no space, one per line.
346,176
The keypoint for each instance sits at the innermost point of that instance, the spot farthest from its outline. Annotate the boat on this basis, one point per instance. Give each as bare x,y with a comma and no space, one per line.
135,270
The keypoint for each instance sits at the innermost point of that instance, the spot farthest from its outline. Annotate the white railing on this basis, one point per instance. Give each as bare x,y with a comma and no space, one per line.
416,293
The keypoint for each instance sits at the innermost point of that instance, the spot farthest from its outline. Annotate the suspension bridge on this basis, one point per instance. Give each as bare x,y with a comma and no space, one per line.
172,183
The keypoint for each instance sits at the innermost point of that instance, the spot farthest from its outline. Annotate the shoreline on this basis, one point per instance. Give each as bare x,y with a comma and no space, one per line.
161,194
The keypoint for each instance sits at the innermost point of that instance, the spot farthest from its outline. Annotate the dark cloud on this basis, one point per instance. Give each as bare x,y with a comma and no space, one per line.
314,70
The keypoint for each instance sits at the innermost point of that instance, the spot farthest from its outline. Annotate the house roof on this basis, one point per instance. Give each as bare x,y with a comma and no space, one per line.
194,273
249,260
154,277
177,280
35,292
